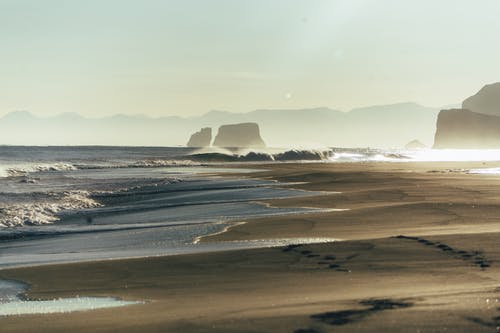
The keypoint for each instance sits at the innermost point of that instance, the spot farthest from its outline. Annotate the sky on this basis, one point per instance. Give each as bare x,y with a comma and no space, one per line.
187,57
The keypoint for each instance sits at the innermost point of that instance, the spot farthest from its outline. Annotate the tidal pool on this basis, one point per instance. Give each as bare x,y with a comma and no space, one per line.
11,303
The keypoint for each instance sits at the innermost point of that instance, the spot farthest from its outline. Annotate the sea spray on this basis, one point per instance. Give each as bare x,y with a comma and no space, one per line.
263,156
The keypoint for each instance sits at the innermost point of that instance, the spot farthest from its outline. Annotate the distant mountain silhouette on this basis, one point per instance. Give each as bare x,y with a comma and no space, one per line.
378,126
474,126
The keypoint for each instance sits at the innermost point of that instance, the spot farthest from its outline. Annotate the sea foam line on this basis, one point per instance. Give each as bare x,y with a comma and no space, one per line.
22,170
38,213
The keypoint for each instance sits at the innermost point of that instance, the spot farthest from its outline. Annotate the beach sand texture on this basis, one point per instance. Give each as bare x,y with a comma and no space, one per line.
418,253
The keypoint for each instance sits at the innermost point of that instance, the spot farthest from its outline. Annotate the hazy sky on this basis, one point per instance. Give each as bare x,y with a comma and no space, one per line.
187,57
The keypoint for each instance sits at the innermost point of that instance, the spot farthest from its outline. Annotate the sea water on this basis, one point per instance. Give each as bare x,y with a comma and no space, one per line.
67,204
11,302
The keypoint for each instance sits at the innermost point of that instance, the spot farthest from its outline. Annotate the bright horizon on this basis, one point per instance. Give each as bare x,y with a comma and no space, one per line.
164,58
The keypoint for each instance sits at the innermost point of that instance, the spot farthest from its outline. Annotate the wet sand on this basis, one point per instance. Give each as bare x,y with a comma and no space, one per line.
419,253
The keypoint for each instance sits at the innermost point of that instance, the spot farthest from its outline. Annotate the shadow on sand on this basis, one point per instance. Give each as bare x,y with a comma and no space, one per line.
338,318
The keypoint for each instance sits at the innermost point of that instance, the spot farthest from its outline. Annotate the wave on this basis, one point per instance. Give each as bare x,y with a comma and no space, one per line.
44,212
23,170
44,207
304,155
152,163
147,163
256,156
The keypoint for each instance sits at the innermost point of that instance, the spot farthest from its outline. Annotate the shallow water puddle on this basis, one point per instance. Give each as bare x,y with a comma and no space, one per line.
12,304
60,305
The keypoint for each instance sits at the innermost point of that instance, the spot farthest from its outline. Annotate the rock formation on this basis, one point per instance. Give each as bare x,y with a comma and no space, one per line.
415,144
203,138
487,100
475,126
245,135
464,129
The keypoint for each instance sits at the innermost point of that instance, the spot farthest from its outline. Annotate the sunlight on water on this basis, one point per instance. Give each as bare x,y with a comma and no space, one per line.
455,155
486,171
62,305
422,155
11,303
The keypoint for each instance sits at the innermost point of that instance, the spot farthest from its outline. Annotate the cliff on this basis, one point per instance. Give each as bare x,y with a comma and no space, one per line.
464,129
239,135
486,100
475,126
203,138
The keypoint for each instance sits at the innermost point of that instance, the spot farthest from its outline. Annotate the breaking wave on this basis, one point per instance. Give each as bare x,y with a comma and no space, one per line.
370,155
152,163
23,170
298,155
255,156
44,212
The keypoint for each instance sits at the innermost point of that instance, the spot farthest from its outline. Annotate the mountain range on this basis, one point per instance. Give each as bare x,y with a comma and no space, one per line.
376,126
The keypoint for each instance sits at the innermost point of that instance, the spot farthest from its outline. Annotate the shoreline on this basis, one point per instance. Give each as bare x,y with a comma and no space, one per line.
198,239
199,211
443,269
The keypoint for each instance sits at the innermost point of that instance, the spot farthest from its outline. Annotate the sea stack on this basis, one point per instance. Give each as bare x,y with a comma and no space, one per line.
203,138
244,135
415,144
474,126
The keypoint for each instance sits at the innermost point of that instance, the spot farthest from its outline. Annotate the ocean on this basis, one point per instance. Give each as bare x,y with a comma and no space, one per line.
66,204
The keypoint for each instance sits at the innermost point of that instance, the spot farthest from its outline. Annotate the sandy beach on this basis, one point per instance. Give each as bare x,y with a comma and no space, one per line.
417,252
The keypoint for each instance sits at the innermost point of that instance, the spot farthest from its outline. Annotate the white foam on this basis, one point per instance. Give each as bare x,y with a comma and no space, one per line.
38,213
16,170
164,163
